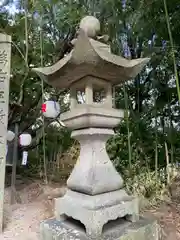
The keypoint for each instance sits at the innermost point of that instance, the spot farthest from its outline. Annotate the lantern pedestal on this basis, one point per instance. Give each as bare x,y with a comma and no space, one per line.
95,211
95,190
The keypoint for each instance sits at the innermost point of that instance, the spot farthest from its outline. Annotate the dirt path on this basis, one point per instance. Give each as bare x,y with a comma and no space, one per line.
22,220
168,216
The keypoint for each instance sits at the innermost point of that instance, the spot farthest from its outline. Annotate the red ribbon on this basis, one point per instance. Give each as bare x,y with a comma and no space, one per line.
43,107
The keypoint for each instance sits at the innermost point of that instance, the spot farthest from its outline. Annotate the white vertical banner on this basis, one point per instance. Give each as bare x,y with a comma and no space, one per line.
24,158
5,64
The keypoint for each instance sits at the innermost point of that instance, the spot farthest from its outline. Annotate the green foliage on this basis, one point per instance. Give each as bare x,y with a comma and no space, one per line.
146,186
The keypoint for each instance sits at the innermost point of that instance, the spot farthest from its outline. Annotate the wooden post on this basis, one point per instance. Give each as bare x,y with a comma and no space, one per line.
14,165
5,60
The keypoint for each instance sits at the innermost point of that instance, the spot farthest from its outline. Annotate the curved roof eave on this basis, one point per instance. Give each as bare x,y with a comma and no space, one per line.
50,70
118,60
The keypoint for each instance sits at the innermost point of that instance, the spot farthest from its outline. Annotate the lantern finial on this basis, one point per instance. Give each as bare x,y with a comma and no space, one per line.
90,25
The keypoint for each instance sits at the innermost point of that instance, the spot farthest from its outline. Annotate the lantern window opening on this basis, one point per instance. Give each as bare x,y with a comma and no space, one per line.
91,91
80,96
99,96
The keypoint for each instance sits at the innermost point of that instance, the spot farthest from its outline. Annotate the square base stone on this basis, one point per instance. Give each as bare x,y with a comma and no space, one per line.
121,229
99,209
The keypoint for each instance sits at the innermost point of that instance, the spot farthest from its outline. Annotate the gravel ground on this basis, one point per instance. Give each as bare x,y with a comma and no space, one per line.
22,220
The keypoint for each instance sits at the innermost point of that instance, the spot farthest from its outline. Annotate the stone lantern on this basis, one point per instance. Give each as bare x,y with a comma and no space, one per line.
95,191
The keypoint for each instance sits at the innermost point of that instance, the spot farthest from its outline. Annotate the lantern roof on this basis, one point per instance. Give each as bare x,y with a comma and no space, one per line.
90,57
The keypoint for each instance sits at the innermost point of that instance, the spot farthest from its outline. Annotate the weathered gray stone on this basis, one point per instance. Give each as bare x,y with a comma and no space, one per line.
95,193
95,211
90,58
144,229
92,116
90,25
94,173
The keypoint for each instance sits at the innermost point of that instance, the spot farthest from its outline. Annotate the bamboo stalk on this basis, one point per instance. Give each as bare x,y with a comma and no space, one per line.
172,46
127,125
156,148
43,120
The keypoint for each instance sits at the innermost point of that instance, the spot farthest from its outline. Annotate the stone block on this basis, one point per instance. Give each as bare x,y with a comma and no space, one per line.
98,209
121,229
